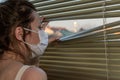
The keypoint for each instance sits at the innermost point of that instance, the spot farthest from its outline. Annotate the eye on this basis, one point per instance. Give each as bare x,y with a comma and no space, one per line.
39,27
44,24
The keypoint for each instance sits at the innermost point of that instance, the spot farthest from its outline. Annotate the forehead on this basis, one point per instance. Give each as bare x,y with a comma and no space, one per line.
36,21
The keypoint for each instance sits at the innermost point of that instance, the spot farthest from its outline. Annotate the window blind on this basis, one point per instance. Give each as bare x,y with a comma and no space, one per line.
89,55
77,9
82,56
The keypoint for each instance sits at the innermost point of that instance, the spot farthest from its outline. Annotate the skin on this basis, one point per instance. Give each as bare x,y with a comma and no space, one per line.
11,63
33,37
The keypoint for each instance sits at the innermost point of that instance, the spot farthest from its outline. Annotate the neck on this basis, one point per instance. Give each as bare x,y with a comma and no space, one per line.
8,55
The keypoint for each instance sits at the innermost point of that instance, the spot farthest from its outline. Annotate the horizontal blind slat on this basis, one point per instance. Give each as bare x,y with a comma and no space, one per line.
67,3
41,4
87,16
88,8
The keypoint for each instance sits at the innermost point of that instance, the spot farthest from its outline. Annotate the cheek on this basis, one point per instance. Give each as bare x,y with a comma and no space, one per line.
33,38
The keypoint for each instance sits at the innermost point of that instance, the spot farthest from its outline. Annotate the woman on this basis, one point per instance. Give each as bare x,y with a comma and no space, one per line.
21,41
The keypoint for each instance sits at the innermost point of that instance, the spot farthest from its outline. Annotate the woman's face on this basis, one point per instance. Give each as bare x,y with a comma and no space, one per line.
33,38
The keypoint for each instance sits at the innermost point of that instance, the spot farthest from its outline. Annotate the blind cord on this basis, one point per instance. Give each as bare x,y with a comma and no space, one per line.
105,39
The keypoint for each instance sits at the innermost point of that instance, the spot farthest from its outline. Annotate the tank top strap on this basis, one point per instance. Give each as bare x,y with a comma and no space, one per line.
21,71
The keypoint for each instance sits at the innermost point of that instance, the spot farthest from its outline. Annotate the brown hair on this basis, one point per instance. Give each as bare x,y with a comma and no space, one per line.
14,13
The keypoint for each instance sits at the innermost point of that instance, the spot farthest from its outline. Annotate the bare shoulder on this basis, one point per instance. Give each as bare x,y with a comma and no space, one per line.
34,73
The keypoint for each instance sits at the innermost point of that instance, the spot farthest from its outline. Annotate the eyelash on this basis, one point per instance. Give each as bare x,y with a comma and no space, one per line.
40,27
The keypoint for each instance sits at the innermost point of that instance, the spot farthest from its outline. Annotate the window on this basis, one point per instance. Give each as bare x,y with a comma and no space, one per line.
93,54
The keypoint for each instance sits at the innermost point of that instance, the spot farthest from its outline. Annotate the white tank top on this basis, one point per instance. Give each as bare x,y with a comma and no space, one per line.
21,71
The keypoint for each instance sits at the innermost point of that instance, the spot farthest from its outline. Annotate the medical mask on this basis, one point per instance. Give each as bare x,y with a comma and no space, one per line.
41,46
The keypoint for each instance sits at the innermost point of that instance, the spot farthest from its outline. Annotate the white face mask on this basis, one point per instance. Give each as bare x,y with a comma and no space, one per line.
41,46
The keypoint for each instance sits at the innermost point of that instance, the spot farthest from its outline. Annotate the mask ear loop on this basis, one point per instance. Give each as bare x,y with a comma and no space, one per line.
30,30
26,44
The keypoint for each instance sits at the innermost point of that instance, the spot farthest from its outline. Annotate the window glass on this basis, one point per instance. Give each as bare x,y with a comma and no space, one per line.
69,27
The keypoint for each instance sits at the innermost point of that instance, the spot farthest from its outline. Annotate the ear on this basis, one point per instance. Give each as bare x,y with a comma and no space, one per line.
19,33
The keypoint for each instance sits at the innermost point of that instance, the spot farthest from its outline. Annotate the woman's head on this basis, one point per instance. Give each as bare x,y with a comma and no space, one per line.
15,15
